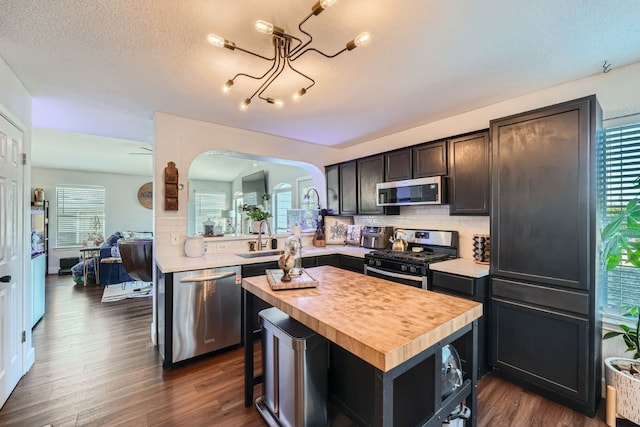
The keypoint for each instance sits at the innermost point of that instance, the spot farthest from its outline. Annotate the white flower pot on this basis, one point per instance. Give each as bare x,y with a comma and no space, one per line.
255,227
623,392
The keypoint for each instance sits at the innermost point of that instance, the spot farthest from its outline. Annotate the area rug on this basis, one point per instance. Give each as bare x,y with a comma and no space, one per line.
121,291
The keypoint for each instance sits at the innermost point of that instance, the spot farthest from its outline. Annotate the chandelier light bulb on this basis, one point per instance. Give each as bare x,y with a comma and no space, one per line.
359,40
362,39
275,101
327,3
215,40
264,27
245,104
299,93
321,5
227,85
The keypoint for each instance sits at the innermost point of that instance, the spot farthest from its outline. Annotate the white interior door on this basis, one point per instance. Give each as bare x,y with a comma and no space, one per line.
11,258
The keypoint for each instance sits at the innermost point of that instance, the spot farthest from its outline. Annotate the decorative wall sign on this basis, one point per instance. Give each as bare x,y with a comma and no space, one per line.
171,187
145,195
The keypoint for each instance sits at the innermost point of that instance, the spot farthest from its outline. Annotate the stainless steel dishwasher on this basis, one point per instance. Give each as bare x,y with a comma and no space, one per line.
206,311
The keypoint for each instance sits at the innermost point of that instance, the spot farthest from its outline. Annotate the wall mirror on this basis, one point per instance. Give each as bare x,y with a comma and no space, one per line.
216,196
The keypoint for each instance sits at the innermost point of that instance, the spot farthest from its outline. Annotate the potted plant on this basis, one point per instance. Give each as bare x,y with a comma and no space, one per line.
255,214
620,236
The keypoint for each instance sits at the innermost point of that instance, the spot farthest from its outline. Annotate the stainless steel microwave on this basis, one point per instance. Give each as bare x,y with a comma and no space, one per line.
421,191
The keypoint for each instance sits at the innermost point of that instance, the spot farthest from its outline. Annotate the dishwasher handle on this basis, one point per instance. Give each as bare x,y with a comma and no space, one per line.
207,277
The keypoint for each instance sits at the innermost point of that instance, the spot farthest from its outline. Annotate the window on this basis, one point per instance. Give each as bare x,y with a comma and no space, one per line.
79,214
209,206
281,204
621,167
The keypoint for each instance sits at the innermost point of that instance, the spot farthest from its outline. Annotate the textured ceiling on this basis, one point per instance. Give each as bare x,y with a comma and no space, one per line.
103,68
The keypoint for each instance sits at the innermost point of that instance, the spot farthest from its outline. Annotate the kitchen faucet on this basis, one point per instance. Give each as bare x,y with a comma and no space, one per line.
260,244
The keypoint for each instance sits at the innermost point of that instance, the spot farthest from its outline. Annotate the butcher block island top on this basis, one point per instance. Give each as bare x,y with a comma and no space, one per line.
381,322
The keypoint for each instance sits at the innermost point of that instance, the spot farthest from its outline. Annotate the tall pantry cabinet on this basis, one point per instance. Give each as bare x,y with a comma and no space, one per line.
545,334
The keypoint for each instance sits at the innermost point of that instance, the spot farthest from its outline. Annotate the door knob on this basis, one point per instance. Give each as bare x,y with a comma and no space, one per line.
5,279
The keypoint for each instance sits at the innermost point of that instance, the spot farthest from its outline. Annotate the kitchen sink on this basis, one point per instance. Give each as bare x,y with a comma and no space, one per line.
260,254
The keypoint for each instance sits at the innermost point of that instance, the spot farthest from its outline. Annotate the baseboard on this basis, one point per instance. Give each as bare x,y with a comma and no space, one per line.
153,334
29,360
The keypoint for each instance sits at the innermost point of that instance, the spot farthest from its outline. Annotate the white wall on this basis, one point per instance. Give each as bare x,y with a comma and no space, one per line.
122,209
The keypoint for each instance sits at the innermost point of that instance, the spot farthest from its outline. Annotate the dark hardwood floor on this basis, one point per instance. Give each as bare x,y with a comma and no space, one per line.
95,366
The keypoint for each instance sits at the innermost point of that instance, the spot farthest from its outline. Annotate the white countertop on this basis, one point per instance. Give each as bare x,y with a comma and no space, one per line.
174,264
461,266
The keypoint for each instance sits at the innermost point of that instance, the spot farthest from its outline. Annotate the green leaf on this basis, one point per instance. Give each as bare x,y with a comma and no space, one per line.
613,260
634,258
612,228
611,335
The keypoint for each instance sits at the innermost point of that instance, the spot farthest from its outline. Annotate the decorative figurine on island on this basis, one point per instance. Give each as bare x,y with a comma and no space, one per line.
291,261
286,262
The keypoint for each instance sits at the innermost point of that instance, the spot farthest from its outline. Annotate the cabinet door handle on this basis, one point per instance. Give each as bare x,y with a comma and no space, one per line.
5,279
206,278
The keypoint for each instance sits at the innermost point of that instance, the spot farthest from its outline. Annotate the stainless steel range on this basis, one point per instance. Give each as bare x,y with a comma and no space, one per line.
411,266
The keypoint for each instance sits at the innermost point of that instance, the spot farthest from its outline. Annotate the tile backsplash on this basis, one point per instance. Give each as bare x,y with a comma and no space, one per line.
433,217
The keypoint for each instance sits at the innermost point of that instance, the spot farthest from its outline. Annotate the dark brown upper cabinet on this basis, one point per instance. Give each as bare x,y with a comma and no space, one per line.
469,182
333,188
370,172
348,188
398,165
430,159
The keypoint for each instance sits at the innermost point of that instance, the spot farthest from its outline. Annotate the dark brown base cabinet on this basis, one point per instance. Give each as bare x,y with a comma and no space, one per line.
545,334
476,289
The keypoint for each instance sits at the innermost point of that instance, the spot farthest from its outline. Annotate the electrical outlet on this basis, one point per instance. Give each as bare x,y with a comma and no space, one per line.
221,247
175,239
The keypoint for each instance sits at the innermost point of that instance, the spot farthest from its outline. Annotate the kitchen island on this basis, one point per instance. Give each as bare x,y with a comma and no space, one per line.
394,332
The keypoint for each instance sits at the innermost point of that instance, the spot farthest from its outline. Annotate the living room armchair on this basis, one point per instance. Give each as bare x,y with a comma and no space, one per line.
111,269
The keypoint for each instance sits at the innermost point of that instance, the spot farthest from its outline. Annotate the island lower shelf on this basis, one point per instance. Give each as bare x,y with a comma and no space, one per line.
382,334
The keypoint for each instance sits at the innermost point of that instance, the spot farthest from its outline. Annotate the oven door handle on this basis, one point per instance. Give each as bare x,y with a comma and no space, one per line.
392,274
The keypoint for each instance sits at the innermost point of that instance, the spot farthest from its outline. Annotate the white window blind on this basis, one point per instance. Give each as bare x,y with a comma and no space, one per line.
621,167
209,206
80,214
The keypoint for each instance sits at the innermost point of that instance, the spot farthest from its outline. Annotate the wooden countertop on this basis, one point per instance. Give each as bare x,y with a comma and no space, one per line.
382,322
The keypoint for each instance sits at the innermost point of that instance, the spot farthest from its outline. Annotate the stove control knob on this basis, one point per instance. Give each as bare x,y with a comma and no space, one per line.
403,267
413,269
378,263
371,262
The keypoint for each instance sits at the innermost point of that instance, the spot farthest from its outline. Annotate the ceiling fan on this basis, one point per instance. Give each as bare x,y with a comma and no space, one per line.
147,152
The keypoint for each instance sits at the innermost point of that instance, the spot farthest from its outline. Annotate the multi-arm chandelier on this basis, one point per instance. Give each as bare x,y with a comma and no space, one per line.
286,49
